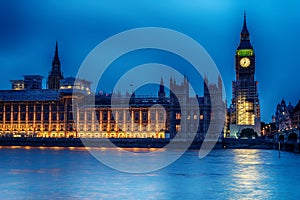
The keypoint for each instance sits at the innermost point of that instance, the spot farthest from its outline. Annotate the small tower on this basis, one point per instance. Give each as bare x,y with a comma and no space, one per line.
55,75
161,91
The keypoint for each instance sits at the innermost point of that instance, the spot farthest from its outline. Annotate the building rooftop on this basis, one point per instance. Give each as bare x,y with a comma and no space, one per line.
29,95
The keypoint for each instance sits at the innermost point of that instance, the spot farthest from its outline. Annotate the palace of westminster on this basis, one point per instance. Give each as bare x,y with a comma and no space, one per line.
28,110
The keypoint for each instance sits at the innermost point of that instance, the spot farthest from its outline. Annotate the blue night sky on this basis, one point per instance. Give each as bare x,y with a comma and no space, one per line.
30,28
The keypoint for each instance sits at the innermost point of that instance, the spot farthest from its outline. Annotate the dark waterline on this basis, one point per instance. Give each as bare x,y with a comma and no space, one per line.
72,173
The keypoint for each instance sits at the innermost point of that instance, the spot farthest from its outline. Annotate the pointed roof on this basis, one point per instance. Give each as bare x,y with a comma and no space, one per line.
161,81
245,29
56,50
161,87
56,58
55,75
245,36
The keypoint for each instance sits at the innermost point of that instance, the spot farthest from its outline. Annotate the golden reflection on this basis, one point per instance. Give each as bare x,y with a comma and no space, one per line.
135,150
27,147
141,150
248,175
15,147
56,148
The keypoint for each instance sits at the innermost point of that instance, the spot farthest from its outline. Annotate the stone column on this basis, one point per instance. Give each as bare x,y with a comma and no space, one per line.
140,120
85,121
101,120
19,118
124,121
34,118
149,121
132,121
116,120
93,119
42,117
26,118
108,120
4,116
156,120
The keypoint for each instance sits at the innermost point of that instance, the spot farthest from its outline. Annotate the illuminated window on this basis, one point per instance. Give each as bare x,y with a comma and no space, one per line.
201,117
177,127
178,116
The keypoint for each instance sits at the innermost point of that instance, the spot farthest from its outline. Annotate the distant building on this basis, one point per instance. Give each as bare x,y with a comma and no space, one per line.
283,116
296,116
245,108
73,85
30,82
17,84
33,82
55,75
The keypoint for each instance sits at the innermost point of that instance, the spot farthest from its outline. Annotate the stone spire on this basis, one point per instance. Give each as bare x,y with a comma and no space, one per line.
245,36
55,75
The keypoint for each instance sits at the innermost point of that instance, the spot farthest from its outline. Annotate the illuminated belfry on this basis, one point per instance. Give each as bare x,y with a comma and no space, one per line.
55,74
245,108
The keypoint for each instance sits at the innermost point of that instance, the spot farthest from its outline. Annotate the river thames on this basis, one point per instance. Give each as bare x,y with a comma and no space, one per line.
72,173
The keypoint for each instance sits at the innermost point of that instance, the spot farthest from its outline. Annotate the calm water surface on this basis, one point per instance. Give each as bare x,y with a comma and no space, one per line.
57,173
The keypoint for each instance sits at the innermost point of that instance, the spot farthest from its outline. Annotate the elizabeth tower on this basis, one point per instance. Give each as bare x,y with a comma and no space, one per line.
245,108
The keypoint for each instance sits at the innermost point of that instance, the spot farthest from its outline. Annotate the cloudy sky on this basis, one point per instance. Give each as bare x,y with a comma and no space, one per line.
29,29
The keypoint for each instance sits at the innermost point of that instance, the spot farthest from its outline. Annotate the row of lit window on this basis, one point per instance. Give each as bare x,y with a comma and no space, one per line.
178,116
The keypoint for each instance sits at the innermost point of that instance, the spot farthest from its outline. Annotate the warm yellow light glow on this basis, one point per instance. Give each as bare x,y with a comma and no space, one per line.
245,114
178,116
177,127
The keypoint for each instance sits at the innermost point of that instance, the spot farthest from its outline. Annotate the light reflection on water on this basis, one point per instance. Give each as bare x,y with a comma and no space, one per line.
72,173
248,176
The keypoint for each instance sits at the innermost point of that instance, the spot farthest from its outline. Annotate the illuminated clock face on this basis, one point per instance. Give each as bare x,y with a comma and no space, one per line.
245,62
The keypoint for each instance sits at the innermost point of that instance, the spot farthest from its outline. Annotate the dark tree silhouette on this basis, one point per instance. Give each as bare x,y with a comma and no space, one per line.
248,132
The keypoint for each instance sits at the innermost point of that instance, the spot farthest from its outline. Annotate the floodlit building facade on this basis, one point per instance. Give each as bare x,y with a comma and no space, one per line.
68,108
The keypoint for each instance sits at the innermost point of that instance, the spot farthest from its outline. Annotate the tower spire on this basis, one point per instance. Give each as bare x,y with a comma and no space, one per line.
55,74
56,50
245,36
245,32
56,61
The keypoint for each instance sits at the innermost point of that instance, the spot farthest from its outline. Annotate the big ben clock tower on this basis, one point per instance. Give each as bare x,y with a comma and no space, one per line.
245,108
